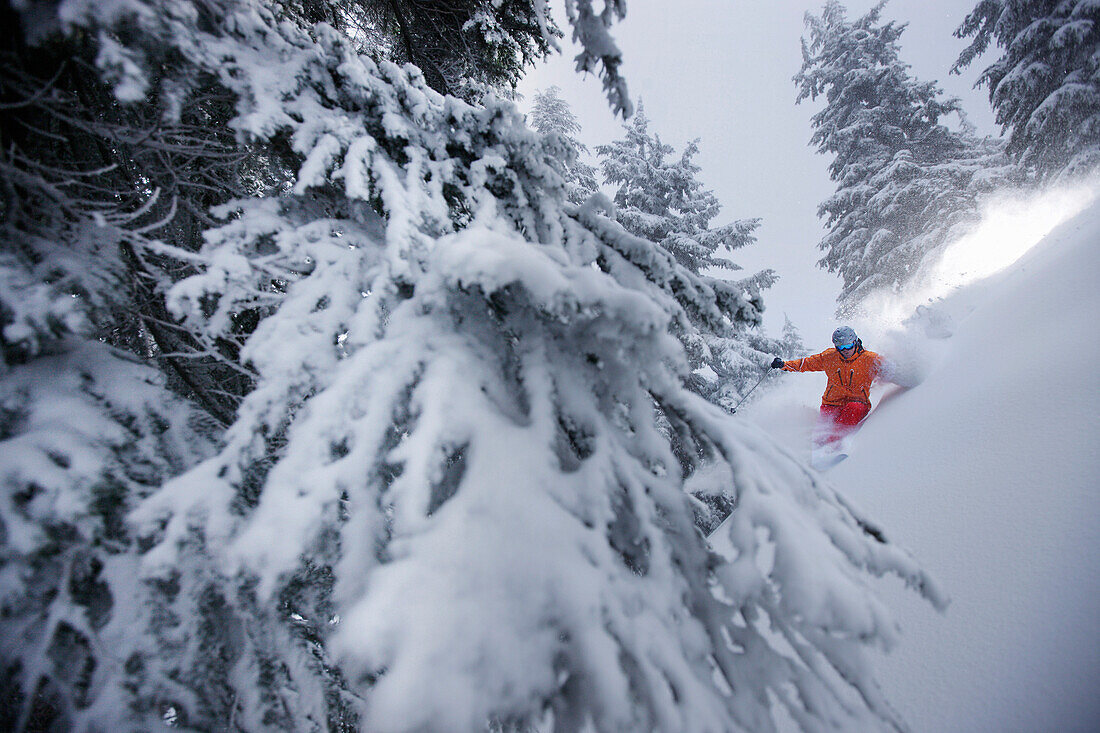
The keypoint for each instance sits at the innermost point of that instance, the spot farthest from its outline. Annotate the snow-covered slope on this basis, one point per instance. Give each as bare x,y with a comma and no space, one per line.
989,471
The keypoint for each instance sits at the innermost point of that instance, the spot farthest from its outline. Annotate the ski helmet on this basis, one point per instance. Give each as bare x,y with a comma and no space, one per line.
845,335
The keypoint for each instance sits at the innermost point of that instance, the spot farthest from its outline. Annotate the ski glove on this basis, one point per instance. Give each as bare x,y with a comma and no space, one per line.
778,363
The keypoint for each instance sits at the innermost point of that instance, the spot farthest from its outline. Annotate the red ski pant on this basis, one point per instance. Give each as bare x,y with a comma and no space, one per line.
836,421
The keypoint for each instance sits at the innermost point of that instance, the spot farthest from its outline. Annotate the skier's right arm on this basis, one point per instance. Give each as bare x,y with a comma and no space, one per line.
813,363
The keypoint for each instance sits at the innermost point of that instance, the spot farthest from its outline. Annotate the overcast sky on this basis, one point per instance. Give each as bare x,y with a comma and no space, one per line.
721,70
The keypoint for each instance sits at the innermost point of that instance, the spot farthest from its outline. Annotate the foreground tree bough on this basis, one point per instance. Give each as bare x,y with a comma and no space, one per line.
454,491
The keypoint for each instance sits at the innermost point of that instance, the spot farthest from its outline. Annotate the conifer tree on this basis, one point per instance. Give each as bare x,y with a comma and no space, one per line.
551,115
456,496
1045,87
791,344
660,198
906,183
463,48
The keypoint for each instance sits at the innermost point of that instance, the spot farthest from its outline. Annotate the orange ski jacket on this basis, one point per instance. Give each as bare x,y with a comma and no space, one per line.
849,379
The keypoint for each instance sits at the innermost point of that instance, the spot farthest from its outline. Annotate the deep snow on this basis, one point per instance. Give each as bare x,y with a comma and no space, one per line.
988,471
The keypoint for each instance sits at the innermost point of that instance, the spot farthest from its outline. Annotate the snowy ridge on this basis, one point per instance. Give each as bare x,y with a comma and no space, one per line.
988,471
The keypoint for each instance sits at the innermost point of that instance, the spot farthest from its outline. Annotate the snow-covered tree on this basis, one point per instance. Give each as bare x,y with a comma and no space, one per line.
106,146
551,115
458,493
906,183
791,344
87,434
660,198
463,48
1045,87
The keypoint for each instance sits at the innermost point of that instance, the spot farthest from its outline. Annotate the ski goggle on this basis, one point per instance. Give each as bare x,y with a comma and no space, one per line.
845,347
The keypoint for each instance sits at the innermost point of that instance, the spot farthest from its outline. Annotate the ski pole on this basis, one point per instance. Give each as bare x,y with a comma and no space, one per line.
750,391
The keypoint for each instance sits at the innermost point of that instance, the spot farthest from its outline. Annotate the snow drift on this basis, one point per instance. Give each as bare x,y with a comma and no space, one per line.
988,472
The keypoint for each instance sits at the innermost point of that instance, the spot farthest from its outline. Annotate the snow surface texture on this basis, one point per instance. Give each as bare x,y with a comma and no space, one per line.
988,470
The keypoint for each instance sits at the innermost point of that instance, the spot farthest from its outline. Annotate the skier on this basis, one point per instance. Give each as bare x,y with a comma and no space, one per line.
851,369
